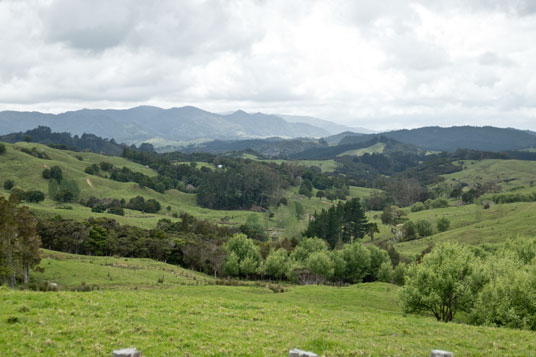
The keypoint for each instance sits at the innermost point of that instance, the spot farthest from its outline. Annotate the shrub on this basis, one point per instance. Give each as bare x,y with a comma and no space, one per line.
9,184
417,207
2,148
424,228
409,231
442,284
34,196
443,224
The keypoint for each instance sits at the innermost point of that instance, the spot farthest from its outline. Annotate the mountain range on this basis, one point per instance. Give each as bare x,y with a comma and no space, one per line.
147,123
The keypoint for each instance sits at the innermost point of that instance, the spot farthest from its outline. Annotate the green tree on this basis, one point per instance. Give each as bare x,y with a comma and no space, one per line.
443,224
56,173
385,273
19,242
442,284
409,231
424,228
371,229
357,259
276,263
9,184
2,148
247,254
321,264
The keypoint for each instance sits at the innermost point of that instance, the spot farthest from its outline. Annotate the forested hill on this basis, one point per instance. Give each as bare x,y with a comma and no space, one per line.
462,137
90,142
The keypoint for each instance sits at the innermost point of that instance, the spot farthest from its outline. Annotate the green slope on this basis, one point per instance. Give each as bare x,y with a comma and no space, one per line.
176,318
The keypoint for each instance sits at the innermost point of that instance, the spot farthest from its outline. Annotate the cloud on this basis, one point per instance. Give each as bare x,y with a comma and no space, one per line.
382,65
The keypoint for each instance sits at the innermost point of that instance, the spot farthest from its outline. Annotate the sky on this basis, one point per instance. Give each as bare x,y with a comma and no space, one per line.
381,65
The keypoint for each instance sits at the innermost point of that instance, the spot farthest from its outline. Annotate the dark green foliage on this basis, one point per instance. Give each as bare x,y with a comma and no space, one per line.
19,241
139,203
92,169
343,222
34,196
443,224
46,174
253,228
424,228
306,188
56,173
409,231
67,191
469,196
40,155
2,148
106,166
9,184
63,141
116,210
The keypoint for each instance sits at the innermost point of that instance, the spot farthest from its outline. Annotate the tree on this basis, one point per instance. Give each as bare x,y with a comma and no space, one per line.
9,184
276,263
321,264
306,188
34,196
56,173
409,231
357,259
2,148
443,224
243,252
19,242
371,229
424,228
442,284
27,138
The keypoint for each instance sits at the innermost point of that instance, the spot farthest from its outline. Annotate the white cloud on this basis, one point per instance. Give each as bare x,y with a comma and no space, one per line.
382,65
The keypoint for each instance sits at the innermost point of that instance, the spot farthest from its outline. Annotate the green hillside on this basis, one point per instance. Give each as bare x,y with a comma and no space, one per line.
26,171
508,174
376,148
176,318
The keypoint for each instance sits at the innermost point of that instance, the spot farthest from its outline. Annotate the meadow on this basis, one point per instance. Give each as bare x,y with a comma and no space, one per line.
187,315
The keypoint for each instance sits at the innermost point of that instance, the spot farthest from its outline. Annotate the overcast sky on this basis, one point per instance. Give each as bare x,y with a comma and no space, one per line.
377,64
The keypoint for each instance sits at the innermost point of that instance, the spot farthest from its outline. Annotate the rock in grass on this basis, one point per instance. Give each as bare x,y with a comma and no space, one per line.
299,353
440,353
127,352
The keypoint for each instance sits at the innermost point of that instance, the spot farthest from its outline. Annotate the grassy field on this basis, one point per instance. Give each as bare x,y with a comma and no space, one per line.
509,174
188,316
470,224
376,148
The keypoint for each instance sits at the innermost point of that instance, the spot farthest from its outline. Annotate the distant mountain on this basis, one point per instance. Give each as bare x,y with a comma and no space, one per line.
463,137
143,123
327,125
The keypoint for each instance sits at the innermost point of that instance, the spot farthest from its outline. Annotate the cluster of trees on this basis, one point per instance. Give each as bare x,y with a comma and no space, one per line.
341,223
19,242
60,189
117,206
311,262
429,204
95,169
494,285
35,153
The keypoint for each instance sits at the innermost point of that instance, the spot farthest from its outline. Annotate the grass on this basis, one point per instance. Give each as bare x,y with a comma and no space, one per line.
509,174
376,148
172,319
469,224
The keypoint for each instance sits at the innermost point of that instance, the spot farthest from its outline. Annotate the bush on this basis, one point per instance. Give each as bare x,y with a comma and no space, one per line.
442,284
34,196
116,210
46,174
417,207
9,184
409,231
106,166
424,228
443,224
2,148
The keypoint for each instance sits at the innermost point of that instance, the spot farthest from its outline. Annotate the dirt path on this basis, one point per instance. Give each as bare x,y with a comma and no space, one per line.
89,182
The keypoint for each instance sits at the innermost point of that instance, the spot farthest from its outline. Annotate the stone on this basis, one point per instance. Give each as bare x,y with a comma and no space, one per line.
127,352
440,353
299,353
